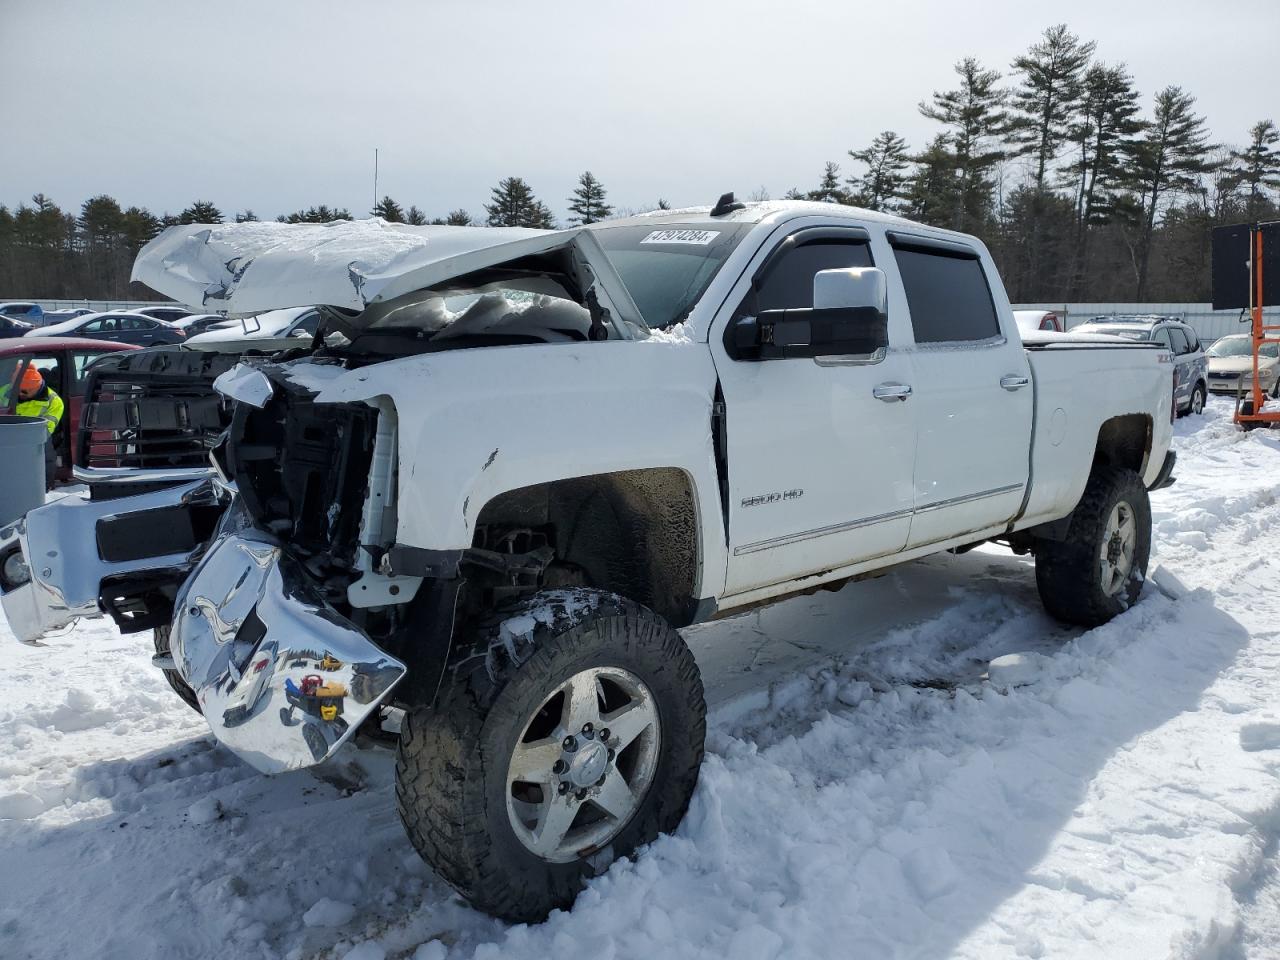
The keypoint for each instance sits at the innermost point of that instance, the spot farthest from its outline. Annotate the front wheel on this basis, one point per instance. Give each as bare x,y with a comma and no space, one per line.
160,638
1197,400
570,733
1097,572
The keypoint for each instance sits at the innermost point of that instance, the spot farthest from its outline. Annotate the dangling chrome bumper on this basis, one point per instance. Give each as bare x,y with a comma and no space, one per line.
282,678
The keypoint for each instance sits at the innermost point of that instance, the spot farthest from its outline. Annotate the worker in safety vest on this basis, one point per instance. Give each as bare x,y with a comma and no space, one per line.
37,399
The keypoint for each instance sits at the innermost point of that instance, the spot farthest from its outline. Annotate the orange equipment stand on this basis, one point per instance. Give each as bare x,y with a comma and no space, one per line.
1250,412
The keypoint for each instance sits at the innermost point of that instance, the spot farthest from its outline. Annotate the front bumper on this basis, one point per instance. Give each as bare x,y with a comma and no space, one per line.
1233,385
64,544
281,677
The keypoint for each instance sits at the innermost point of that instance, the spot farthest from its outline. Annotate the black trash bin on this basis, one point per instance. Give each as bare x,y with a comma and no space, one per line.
22,452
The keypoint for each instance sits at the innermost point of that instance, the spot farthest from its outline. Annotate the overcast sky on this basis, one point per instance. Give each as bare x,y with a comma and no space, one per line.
275,105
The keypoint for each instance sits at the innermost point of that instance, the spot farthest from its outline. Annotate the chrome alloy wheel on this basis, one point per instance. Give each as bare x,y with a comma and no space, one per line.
1118,545
583,764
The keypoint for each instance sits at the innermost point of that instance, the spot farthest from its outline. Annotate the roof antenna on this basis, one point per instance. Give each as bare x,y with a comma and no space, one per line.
726,205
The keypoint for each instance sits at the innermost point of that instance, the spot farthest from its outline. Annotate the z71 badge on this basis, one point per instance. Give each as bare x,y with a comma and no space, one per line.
795,493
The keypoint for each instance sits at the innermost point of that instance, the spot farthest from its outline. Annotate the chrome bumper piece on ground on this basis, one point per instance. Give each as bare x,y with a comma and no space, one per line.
59,541
282,678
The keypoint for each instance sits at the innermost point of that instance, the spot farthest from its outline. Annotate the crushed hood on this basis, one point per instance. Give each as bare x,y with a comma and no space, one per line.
250,267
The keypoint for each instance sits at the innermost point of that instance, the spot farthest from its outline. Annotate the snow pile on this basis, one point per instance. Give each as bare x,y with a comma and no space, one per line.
868,791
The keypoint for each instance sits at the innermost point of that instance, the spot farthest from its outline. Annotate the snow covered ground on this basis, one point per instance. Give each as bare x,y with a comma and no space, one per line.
866,792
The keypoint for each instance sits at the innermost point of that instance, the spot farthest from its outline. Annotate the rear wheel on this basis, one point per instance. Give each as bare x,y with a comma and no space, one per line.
160,637
1097,572
571,733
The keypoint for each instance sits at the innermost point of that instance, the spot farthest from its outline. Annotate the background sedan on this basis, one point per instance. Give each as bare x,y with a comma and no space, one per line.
141,331
1231,365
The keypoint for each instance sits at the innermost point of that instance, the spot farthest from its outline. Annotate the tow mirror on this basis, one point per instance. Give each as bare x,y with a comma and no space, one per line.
849,317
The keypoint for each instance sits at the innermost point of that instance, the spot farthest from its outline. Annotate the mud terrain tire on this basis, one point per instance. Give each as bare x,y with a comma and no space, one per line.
1074,583
452,786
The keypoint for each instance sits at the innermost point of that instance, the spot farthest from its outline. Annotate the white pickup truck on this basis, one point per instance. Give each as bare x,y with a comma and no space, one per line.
511,463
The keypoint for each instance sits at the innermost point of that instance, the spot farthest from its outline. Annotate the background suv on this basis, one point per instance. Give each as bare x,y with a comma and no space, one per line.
1191,369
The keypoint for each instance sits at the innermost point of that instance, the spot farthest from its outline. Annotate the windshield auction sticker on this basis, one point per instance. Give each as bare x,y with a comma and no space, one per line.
696,237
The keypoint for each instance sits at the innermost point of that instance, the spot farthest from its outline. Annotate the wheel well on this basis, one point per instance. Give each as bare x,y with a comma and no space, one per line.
1124,441
632,532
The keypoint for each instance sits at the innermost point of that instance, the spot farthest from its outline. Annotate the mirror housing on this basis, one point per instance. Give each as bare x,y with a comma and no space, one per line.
849,317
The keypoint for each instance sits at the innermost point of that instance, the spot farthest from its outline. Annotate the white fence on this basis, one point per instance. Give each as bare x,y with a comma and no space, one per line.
1210,324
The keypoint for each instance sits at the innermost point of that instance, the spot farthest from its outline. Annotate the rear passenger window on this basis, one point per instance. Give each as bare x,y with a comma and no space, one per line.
948,296
788,284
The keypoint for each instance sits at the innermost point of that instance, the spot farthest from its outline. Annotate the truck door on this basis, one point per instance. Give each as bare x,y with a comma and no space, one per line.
820,451
972,391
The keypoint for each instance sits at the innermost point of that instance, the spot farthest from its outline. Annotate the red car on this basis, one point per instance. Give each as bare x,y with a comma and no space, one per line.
62,360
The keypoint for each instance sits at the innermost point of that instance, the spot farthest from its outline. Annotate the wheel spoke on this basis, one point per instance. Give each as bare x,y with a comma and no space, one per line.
556,818
532,762
615,797
1108,574
581,702
628,722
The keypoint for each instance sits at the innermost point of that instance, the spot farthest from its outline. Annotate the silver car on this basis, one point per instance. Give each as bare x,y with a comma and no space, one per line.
1231,366
1191,370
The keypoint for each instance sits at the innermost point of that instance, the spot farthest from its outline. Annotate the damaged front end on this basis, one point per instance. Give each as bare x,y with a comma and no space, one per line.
254,568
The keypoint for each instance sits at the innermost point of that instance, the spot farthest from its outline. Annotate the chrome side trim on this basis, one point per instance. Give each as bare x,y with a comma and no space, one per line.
969,498
853,359
818,532
791,538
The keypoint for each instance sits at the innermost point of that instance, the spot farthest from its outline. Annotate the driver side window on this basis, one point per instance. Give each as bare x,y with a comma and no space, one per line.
787,283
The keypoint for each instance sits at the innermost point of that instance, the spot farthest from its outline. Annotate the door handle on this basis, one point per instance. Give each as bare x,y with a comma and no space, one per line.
889,392
1014,382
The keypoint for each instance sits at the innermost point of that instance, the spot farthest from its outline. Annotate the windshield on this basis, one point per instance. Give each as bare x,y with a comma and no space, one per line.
1238,346
666,267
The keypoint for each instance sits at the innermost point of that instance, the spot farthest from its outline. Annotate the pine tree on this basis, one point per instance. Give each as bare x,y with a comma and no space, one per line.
1104,133
1258,166
1044,103
140,227
588,201
829,189
795,193
388,210
974,113
415,216
101,220
514,205
934,191
1042,107
1169,159
202,211
885,180
320,214
541,217
458,218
